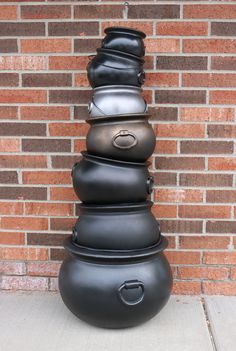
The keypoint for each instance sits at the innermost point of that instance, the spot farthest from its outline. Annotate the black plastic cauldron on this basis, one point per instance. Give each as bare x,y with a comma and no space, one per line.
117,227
99,180
115,289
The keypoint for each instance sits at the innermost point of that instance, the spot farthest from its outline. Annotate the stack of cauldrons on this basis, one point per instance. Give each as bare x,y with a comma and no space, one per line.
116,275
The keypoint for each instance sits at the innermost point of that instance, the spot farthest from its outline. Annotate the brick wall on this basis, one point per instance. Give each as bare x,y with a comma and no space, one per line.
191,91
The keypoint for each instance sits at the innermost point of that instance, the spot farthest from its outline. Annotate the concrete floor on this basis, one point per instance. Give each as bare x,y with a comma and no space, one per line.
40,322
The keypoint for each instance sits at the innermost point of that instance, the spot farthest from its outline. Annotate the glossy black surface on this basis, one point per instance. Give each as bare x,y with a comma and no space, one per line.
110,67
115,293
120,227
99,180
124,40
127,138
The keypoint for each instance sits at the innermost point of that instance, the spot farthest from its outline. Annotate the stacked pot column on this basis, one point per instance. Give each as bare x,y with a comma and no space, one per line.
116,275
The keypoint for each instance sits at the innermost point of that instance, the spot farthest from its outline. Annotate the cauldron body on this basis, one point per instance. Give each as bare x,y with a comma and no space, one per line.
115,293
110,67
117,100
124,138
98,180
120,227
124,40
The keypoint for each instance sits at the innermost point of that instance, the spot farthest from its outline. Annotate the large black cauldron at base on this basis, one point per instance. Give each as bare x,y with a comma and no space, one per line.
116,274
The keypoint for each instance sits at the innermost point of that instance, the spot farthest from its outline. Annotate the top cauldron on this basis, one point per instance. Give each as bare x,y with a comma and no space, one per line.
124,40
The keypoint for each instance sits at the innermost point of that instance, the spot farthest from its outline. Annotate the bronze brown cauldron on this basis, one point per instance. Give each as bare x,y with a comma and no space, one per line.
127,138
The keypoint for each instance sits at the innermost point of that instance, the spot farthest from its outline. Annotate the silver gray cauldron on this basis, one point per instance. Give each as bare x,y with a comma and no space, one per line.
117,100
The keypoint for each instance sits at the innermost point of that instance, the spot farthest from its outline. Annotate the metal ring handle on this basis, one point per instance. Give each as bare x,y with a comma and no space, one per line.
141,77
150,183
124,133
131,284
74,234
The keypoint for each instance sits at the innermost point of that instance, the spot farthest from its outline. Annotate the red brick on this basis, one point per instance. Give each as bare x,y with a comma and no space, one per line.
46,177
12,238
9,145
217,258
221,131
24,223
181,226
183,257
8,112
162,79
68,129
206,147
221,196
22,129
179,130
68,62
22,161
8,12
72,28
221,227
12,268
71,97
13,29
81,80
209,80
23,96
79,145
21,193
45,12
210,11
178,195
204,242
48,209
44,239
162,45
47,269
154,11
222,163
223,63
24,253
62,194
62,224
210,273
206,180
8,177
31,63
99,11
186,288
182,28
180,163
164,211
47,80
24,283
204,211
233,273
45,112
209,45
205,114
13,208
165,147
45,45
180,96
219,288
223,97
146,27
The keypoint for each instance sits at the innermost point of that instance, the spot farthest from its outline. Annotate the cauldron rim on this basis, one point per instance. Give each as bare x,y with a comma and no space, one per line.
95,158
90,253
131,31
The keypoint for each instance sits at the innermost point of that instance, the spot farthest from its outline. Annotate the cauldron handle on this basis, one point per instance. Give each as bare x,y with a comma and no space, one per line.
124,133
131,284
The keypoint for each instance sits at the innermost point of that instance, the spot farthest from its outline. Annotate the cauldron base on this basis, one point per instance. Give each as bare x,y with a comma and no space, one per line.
115,292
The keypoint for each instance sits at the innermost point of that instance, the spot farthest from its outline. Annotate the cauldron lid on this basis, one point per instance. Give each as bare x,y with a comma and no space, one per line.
89,253
116,118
